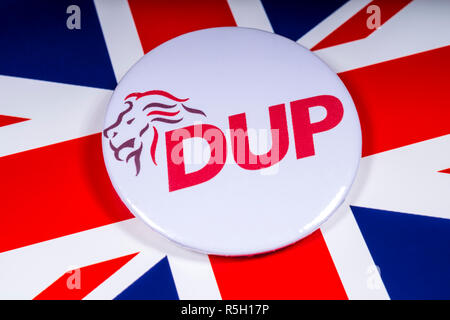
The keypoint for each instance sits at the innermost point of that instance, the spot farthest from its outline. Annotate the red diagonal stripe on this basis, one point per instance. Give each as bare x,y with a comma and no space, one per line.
7,120
157,21
356,27
64,188
445,171
77,284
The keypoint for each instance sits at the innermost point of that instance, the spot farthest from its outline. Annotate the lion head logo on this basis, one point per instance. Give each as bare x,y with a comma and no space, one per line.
142,119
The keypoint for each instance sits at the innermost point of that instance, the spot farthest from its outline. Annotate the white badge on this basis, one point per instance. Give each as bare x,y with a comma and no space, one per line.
232,141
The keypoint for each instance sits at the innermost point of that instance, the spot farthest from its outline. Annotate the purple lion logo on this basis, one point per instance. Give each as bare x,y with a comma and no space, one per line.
143,118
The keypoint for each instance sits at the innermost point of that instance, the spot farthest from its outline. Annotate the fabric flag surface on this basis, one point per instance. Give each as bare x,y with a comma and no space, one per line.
64,232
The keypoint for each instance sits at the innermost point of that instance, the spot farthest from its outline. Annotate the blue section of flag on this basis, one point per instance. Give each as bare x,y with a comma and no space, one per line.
412,252
36,43
293,19
156,284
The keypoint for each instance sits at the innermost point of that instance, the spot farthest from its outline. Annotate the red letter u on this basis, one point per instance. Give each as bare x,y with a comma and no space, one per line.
240,145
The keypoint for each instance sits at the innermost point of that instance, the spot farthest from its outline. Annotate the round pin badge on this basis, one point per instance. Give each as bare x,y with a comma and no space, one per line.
232,141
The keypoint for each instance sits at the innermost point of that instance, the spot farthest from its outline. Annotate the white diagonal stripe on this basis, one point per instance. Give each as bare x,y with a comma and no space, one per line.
403,180
420,26
407,179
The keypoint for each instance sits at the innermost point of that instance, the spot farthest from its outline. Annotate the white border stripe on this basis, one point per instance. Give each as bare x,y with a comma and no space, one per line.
26,271
125,276
407,179
120,33
194,277
332,22
250,14
420,26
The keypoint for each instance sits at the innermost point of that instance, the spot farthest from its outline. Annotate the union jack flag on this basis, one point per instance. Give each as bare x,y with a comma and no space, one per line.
66,235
